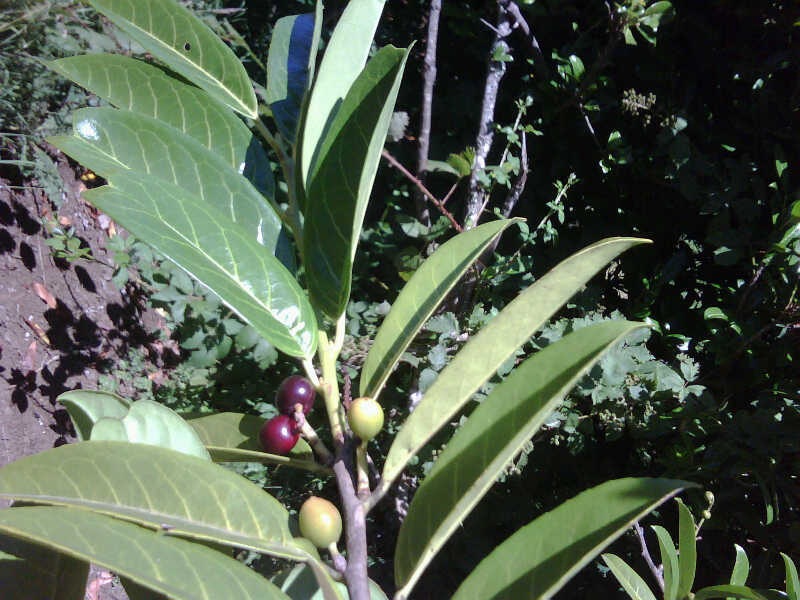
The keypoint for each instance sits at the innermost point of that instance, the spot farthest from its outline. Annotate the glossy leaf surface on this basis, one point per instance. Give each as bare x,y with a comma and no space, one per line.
171,566
33,572
541,557
108,140
426,289
218,253
86,407
345,56
741,567
148,422
140,87
153,486
483,354
173,35
687,549
340,180
494,433
629,579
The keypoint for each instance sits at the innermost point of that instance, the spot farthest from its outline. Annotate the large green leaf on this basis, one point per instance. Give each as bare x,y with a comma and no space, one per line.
485,352
108,140
146,89
669,562
792,580
426,289
173,35
629,579
340,180
33,572
740,592
153,486
541,557
177,568
299,582
741,567
233,437
148,422
289,65
687,549
345,56
494,433
220,254
86,407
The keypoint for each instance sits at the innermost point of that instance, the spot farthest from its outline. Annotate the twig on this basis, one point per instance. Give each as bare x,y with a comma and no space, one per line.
519,184
656,571
421,186
539,63
429,80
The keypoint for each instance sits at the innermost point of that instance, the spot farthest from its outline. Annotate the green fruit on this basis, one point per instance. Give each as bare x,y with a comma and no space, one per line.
320,522
365,418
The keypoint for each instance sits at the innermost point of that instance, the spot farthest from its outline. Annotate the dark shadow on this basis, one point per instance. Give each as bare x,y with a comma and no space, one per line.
7,243
6,215
27,256
85,279
22,384
28,225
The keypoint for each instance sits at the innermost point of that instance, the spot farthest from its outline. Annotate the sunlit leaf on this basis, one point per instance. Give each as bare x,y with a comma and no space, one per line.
792,580
172,34
299,582
629,579
738,592
542,556
426,289
687,549
163,489
483,354
218,253
340,179
494,433
171,566
669,562
86,407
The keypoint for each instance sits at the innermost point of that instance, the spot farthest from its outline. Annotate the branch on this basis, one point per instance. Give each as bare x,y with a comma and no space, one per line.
539,63
421,186
656,571
429,79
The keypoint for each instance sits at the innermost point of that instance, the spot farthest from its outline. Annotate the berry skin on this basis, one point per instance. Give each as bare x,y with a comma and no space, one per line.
295,390
320,522
365,418
279,435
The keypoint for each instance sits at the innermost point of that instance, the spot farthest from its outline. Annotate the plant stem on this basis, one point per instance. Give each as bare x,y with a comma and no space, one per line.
329,386
355,527
363,471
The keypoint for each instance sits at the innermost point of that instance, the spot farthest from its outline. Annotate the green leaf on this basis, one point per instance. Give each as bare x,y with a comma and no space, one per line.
289,61
345,56
669,562
542,556
218,253
177,568
156,487
233,437
629,579
426,289
108,140
491,347
149,422
299,582
33,572
738,591
86,407
741,567
792,580
687,549
494,433
340,180
143,88
173,35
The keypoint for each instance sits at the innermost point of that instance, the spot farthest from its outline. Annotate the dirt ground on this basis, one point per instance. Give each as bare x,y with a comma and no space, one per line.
61,323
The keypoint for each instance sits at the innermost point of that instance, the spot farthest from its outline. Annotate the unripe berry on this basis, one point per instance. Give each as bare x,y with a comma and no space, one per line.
320,522
365,418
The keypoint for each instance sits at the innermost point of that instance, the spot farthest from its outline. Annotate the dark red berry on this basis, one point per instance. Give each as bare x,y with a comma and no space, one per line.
279,435
295,390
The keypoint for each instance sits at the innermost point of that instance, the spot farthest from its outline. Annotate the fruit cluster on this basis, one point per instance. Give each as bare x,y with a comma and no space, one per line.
280,434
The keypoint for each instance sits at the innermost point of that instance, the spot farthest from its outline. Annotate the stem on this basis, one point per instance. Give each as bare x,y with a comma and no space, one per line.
355,527
363,471
329,386
319,447
647,558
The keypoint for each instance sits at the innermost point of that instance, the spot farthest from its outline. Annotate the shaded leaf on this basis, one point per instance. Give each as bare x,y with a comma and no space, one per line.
153,486
340,180
669,562
220,254
485,352
345,56
629,579
148,422
174,567
86,407
173,35
416,302
687,549
792,580
33,572
738,592
143,88
299,582
542,556
494,433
